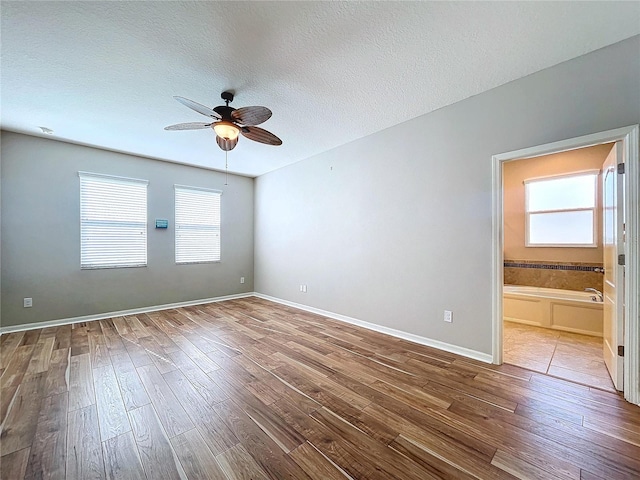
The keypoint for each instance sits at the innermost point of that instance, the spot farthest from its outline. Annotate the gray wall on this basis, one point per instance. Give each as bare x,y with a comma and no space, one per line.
395,227
41,234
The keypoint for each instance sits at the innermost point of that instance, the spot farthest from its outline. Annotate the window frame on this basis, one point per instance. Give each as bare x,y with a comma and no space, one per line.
177,224
143,225
592,172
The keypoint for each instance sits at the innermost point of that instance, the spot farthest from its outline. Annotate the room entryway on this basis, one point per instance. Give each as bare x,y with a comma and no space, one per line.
560,349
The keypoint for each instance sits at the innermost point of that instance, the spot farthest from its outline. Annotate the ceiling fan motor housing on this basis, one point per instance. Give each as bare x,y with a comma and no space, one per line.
224,112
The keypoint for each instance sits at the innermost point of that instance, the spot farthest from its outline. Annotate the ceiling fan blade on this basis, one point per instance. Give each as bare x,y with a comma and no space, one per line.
198,108
258,134
251,115
188,126
226,145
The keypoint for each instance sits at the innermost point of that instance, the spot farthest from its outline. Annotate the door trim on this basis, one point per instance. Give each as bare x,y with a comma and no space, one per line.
631,179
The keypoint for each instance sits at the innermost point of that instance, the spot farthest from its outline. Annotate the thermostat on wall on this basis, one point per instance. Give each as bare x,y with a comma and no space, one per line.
162,223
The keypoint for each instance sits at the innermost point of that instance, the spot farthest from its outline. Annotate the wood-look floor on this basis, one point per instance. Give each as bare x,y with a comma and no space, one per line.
248,389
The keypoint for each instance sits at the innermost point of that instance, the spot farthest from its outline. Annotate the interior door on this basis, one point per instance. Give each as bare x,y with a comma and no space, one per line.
613,224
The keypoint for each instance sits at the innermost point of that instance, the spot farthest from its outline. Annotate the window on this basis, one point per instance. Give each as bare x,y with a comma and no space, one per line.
113,221
197,225
561,211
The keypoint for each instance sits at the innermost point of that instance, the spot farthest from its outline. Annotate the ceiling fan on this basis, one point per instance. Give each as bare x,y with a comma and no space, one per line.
230,122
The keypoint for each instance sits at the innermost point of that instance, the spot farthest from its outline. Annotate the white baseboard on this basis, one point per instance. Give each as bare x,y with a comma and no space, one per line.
523,322
447,347
120,313
589,333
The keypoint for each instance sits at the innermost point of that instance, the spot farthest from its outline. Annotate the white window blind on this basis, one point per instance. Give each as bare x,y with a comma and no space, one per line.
113,221
561,211
197,225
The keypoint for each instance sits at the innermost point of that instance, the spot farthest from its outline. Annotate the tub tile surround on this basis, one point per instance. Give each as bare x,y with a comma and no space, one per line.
561,275
565,355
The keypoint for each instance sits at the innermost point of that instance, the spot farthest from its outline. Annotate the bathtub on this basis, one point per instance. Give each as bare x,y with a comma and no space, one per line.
566,310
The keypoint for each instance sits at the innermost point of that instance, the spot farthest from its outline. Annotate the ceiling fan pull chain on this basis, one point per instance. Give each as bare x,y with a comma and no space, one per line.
226,167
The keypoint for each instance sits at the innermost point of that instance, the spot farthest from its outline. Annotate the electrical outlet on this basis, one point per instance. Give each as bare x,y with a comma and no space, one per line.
28,302
304,288
241,279
448,316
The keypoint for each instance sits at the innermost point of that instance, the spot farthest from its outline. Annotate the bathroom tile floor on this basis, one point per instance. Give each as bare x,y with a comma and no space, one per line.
562,354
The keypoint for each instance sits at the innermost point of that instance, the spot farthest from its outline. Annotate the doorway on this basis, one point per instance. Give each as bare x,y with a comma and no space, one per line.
554,265
627,334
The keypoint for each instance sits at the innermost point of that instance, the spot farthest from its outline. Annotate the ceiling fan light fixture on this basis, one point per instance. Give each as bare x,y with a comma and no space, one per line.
230,122
226,130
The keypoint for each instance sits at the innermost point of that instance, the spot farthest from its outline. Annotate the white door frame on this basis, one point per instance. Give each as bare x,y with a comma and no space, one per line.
631,179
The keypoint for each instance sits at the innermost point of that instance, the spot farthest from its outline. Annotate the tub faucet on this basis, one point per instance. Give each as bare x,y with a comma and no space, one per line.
599,297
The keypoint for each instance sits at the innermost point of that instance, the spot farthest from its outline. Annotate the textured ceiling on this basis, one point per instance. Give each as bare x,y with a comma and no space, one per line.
104,73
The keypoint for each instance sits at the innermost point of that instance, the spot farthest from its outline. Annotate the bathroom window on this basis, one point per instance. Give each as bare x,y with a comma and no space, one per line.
561,210
113,221
197,225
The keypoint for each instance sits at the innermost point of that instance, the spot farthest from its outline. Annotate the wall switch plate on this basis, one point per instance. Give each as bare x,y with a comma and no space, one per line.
241,279
28,302
304,288
448,316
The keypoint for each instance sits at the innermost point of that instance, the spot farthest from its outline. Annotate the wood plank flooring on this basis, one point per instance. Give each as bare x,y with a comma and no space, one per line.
250,389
